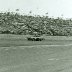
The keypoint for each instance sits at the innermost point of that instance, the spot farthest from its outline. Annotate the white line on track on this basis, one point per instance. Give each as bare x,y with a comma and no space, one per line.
53,59
44,46
22,47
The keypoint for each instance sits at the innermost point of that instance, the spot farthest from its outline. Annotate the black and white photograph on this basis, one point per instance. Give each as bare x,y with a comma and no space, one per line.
35,35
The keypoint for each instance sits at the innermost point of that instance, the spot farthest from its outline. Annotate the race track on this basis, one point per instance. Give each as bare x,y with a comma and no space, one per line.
39,58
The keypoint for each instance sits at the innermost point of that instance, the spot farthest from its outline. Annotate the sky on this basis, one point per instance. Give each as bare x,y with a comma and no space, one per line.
55,8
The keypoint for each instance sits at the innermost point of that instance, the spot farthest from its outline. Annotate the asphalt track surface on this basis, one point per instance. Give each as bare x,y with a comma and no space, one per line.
36,58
